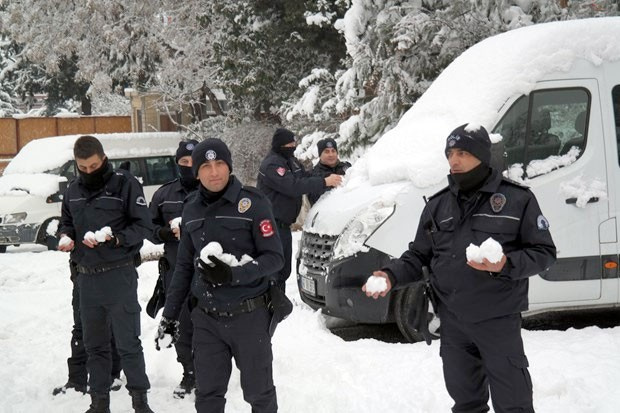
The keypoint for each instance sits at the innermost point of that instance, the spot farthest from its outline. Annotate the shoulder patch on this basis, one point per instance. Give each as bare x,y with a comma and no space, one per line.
266,228
441,191
542,223
141,201
281,170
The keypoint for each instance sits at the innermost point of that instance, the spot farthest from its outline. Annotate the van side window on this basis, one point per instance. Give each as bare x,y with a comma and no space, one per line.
615,98
545,123
132,165
160,170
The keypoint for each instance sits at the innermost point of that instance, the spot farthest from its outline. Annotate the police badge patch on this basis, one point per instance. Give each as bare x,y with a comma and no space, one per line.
244,205
210,155
497,201
542,223
189,146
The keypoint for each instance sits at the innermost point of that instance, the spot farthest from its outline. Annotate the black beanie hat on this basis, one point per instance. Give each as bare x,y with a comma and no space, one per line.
209,150
185,149
326,143
471,139
281,137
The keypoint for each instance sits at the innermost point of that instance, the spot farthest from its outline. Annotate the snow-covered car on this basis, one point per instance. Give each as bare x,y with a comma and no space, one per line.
33,182
550,94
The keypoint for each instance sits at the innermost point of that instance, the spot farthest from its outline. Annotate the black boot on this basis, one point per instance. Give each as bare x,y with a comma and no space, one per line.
139,402
100,403
188,383
69,385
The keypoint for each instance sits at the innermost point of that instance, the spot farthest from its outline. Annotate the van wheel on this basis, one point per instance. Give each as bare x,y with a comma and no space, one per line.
2,249
404,305
50,241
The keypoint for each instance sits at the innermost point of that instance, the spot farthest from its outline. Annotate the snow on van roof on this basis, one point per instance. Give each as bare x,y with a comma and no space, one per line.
41,155
474,87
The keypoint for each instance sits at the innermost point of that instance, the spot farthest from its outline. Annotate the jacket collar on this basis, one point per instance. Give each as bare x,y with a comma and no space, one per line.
490,186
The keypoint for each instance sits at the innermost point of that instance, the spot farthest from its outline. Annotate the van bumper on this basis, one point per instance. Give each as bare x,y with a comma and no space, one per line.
18,234
339,293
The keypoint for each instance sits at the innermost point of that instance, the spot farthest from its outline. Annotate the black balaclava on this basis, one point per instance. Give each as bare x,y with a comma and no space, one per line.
186,174
473,180
280,138
97,178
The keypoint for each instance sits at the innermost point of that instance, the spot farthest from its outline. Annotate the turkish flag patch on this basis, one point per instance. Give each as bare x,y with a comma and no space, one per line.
281,171
266,228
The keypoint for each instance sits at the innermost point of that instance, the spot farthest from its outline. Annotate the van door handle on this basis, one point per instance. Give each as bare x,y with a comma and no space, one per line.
574,200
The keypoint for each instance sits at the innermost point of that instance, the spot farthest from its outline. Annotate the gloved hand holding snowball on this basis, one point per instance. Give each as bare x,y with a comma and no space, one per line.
215,265
488,257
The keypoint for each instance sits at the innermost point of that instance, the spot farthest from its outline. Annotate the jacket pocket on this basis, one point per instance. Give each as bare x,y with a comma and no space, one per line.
502,228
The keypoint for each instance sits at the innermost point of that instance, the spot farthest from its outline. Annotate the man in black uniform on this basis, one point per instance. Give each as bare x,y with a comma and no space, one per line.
166,205
479,304
230,317
106,274
284,181
328,164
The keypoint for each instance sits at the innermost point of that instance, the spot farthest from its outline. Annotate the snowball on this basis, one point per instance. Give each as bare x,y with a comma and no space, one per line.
491,250
90,236
165,341
473,253
215,249
64,241
102,234
175,223
376,284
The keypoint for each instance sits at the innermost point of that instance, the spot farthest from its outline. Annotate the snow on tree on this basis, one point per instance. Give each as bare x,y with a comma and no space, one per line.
395,50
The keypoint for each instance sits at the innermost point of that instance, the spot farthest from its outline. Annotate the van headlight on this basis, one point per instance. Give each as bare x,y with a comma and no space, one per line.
15,218
360,228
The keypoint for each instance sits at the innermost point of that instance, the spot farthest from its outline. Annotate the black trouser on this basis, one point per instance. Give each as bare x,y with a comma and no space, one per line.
77,361
183,346
486,354
109,300
246,338
287,248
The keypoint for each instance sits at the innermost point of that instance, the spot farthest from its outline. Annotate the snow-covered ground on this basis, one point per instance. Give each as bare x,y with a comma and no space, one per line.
314,370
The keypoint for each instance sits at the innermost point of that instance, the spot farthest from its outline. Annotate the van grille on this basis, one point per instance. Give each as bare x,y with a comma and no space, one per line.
317,251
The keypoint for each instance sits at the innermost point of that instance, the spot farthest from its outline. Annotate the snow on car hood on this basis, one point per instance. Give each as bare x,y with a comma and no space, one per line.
21,185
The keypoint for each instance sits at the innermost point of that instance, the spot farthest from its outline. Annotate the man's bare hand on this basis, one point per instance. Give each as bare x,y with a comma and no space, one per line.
488,266
333,180
65,246
383,293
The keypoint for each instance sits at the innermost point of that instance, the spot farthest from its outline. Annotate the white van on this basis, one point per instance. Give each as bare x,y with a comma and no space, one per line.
33,182
550,95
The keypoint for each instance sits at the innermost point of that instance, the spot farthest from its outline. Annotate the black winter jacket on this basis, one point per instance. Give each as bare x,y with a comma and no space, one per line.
448,225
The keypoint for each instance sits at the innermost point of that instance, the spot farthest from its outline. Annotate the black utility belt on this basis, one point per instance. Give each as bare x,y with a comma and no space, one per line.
246,306
94,269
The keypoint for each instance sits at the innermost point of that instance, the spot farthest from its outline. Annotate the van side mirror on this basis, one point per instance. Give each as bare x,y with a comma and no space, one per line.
57,197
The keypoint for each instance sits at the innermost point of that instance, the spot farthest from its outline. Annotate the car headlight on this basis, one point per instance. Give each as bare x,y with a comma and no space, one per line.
15,218
360,228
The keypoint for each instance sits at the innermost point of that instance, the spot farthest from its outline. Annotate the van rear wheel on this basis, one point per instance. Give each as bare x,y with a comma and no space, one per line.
404,305
2,249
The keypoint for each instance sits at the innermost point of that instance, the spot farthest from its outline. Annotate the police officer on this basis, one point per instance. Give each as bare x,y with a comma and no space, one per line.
78,375
328,164
106,275
231,318
479,304
284,181
166,206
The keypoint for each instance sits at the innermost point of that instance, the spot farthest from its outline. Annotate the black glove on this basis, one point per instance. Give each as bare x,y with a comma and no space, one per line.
169,328
165,234
217,273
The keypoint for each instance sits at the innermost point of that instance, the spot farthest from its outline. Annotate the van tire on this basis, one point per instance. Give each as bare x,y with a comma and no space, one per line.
43,238
403,304
2,249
